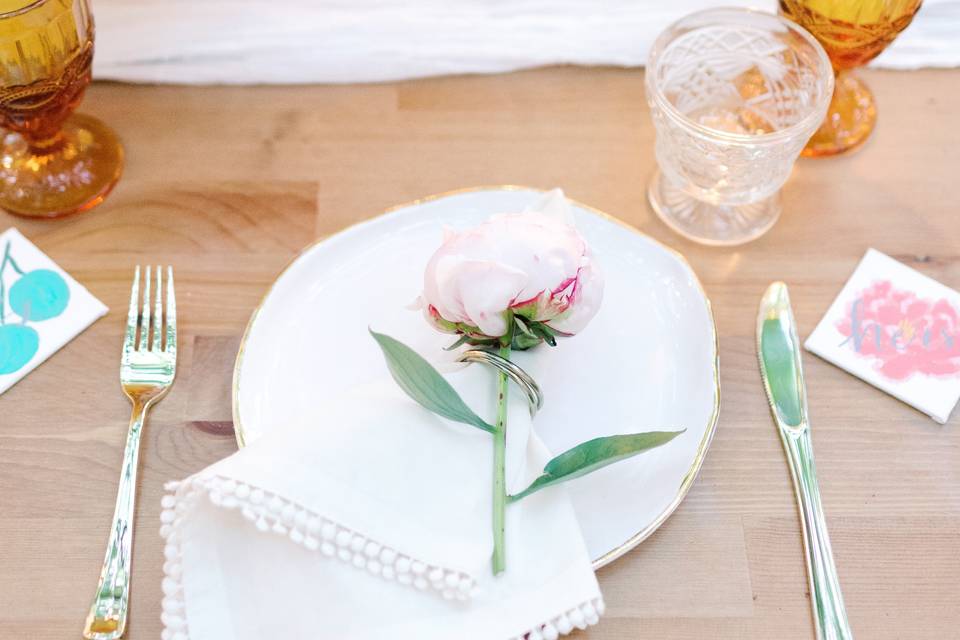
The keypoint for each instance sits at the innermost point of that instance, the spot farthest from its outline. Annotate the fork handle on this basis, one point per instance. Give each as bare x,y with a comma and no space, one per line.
829,613
107,619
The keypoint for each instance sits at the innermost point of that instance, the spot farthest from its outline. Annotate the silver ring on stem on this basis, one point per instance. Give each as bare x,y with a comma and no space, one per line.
523,379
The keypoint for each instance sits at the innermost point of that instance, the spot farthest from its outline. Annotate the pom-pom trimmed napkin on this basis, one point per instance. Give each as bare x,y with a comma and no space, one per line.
380,531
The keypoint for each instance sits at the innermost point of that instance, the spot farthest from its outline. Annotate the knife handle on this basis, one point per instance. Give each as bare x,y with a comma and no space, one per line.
829,614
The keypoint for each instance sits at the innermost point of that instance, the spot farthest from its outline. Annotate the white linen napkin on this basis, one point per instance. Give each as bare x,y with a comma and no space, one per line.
377,525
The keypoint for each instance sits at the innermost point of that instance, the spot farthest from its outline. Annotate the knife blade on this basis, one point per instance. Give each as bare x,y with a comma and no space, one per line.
781,368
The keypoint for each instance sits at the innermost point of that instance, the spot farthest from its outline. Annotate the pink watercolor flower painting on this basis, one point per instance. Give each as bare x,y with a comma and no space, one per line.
903,334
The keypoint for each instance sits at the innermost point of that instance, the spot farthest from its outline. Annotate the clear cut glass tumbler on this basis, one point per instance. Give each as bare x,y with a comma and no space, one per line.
734,94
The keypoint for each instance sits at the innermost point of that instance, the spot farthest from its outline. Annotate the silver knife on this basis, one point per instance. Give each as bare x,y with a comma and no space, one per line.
779,352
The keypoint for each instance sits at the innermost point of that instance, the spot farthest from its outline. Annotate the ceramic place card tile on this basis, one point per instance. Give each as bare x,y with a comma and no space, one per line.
41,307
897,329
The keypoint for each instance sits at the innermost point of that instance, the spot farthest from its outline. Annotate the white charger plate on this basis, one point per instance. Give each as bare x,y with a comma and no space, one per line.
647,361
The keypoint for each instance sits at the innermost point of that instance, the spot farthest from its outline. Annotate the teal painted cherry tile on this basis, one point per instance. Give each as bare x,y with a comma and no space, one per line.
18,344
39,295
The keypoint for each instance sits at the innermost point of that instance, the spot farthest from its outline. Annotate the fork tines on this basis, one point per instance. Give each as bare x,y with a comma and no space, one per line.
156,331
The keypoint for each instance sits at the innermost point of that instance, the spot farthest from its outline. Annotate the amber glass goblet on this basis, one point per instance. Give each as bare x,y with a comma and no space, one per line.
853,32
52,163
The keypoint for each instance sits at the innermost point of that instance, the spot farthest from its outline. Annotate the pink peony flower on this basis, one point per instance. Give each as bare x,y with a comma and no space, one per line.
529,275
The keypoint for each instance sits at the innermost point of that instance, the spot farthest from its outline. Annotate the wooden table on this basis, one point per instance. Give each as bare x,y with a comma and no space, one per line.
228,183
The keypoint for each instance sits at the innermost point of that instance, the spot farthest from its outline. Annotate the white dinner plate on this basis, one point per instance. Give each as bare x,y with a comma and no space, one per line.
647,361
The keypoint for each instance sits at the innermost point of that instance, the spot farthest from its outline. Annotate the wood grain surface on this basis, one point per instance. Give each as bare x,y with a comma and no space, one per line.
227,184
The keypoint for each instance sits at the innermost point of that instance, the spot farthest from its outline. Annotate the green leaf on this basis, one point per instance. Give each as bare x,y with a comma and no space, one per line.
522,341
522,325
530,333
545,332
424,384
462,340
595,454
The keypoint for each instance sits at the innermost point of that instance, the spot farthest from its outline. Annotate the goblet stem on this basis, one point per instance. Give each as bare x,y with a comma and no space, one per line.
70,170
850,118
47,144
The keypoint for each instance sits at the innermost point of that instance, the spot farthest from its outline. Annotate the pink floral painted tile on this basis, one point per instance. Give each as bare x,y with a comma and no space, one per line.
897,329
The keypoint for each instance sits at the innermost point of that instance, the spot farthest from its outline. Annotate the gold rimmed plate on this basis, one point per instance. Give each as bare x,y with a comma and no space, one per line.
648,360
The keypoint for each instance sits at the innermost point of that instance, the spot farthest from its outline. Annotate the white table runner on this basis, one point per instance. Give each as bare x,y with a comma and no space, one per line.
341,41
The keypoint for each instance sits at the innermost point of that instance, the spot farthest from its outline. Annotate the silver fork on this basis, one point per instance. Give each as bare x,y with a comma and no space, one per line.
147,369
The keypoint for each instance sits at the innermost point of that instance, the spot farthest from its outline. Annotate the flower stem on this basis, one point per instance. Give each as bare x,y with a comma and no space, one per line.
499,471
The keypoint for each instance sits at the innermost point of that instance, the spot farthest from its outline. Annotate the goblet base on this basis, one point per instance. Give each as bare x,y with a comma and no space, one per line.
850,118
706,223
72,173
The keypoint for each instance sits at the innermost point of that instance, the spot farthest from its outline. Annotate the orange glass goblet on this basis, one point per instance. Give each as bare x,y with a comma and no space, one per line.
853,32
52,163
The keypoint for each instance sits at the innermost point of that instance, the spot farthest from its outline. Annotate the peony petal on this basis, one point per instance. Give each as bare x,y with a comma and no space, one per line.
416,304
487,289
586,300
554,205
440,287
